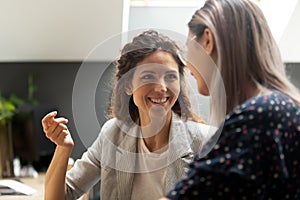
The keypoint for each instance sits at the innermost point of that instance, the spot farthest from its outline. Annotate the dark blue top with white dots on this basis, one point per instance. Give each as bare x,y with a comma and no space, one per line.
256,157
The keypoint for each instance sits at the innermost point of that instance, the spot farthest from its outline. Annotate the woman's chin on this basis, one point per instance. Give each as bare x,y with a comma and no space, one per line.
158,111
203,91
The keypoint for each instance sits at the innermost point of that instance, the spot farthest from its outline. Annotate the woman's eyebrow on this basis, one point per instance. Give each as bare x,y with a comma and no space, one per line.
172,71
147,72
154,71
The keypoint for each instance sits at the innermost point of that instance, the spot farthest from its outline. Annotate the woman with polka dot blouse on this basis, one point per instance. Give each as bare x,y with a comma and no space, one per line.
258,154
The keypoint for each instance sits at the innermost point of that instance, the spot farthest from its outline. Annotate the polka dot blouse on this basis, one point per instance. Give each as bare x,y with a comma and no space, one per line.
256,157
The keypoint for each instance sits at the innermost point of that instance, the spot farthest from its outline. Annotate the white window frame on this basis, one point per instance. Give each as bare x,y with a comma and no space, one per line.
166,3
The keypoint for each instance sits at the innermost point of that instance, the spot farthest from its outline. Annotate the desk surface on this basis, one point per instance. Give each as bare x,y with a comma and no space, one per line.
36,183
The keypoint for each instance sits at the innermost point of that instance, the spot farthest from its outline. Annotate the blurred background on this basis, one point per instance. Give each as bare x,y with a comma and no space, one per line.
44,43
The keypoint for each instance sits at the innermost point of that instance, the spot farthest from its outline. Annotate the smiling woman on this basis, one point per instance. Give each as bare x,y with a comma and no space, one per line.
152,134
155,88
137,57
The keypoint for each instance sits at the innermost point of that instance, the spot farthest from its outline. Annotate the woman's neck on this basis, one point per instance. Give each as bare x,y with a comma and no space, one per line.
156,133
256,90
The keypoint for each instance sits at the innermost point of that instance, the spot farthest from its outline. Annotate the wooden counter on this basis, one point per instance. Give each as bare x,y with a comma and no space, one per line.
35,183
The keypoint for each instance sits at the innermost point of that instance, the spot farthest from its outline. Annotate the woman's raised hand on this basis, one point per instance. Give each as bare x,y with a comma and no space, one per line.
56,130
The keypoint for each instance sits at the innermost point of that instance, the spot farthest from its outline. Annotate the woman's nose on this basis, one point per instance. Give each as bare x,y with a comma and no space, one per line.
160,86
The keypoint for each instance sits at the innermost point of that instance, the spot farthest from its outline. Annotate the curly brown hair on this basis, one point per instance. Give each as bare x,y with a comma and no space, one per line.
143,45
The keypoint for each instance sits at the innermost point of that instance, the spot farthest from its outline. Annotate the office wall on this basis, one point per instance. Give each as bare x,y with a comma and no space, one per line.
53,38
55,83
57,30
289,43
283,19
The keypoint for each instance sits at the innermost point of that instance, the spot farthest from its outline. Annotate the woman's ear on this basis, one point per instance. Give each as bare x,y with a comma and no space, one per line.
128,89
207,41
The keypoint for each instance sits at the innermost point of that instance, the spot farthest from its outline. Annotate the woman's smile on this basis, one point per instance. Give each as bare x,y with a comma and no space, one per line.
156,84
159,100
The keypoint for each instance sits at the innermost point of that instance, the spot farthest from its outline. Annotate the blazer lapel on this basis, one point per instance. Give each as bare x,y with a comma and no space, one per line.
125,161
180,152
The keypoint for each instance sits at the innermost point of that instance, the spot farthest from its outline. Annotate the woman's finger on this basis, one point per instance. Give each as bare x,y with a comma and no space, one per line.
58,130
48,118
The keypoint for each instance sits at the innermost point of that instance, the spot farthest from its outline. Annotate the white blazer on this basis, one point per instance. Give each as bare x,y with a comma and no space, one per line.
111,158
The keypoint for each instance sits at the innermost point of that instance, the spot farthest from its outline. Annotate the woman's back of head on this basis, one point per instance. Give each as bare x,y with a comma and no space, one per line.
245,50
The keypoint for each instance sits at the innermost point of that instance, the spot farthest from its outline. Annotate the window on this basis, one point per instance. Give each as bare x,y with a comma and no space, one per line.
167,3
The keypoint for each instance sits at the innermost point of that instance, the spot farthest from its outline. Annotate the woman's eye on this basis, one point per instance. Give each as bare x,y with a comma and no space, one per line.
171,77
147,77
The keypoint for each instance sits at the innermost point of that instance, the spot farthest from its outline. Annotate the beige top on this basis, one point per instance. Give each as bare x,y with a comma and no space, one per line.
150,180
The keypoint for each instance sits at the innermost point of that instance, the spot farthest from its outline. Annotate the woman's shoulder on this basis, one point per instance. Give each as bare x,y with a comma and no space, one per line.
192,126
271,108
110,123
118,128
200,130
271,102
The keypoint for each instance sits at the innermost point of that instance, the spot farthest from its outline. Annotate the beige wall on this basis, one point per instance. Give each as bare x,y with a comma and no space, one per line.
289,43
283,18
57,30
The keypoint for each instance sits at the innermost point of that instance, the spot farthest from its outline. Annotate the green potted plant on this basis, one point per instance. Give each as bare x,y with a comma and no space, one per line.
9,108
7,111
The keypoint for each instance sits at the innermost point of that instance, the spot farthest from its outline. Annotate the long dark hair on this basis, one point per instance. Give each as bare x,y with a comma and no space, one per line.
245,49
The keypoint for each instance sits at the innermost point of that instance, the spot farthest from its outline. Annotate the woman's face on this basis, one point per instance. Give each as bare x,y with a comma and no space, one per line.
156,84
195,61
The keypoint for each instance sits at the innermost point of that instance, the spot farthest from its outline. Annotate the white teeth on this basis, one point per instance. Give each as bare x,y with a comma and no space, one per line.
162,100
